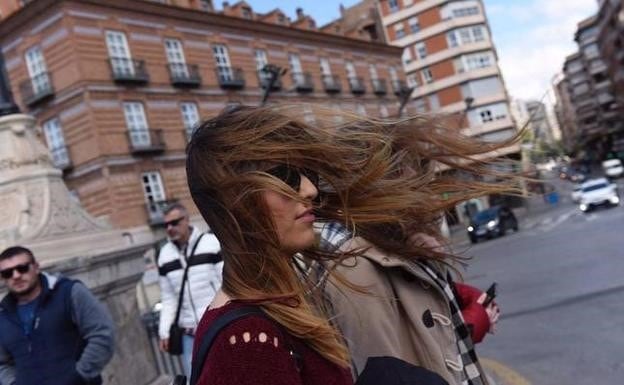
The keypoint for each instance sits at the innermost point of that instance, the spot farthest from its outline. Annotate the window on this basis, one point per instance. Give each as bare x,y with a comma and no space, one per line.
295,68
37,70
427,75
119,53
420,105
394,76
477,33
222,59
467,11
407,55
399,31
205,5
476,61
434,102
361,109
260,57
137,124
383,111
414,25
372,70
246,13
421,50
350,68
486,116
325,67
56,143
153,192
281,19
190,117
412,80
175,58
451,39
482,88
393,5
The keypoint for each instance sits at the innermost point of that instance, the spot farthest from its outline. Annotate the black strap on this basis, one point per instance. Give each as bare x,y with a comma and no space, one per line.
221,322
184,279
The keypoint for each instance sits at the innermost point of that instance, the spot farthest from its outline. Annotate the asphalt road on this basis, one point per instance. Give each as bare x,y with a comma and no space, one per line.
561,291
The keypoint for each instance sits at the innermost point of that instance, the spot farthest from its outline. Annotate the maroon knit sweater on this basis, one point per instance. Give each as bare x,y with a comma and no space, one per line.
245,353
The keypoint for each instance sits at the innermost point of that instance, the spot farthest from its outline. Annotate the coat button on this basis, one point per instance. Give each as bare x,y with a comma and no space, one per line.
427,319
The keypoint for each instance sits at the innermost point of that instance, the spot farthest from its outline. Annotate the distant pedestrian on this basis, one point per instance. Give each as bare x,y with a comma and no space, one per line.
190,268
53,331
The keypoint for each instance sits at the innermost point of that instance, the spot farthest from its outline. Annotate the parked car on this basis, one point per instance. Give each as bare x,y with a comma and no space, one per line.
598,192
571,174
576,193
613,168
492,222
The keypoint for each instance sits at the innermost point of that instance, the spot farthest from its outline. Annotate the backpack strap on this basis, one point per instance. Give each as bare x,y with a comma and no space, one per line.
219,324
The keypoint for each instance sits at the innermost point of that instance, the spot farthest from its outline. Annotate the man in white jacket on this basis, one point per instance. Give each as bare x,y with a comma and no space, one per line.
202,281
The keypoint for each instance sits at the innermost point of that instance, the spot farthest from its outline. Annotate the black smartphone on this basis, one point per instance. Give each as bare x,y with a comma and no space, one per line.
490,294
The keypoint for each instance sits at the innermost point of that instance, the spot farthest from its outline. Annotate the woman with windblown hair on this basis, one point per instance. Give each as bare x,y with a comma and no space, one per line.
260,178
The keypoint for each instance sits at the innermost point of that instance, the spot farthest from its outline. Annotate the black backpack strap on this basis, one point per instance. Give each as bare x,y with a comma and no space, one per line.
221,322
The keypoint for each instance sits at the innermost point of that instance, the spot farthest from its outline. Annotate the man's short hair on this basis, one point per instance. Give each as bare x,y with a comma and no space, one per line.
176,206
16,250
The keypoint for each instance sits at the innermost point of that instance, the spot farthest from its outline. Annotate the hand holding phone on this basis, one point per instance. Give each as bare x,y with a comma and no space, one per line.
490,294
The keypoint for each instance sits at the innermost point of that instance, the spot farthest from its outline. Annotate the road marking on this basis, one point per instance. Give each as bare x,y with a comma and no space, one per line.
504,375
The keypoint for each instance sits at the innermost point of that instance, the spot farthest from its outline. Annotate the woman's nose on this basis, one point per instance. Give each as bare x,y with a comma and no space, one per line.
307,189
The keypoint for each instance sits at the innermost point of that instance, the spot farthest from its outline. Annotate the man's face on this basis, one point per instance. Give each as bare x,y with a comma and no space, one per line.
24,272
177,226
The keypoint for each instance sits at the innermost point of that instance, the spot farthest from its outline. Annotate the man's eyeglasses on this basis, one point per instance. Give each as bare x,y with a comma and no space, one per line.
22,269
292,175
174,222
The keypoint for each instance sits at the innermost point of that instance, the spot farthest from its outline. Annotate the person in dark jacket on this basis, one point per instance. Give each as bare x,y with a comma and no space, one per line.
53,331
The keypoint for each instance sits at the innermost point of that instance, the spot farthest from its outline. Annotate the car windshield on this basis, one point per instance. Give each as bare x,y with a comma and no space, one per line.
485,215
595,187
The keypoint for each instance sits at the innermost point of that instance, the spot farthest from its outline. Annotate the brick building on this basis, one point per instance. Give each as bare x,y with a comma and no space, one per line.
450,59
118,85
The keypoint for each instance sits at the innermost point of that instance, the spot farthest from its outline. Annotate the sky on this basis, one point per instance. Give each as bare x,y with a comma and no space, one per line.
532,37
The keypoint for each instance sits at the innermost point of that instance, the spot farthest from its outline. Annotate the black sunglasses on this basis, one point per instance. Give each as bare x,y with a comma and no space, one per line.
292,175
174,222
22,269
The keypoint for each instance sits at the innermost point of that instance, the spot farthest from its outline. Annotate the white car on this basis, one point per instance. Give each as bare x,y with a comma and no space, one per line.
576,193
598,192
613,168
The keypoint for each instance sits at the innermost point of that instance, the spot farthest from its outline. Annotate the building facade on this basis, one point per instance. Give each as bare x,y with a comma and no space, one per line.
118,86
450,60
565,113
611,44
590,89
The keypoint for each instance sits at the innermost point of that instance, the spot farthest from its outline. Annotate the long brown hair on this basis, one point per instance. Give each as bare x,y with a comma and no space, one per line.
377,177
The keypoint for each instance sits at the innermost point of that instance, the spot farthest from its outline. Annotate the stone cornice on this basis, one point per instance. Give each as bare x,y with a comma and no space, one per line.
23,18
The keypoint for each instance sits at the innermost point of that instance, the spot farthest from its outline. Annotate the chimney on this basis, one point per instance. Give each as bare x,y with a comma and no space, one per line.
342,9
226,5
300,14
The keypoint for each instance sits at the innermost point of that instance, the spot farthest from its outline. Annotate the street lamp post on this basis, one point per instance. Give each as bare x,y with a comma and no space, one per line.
275,73
404,95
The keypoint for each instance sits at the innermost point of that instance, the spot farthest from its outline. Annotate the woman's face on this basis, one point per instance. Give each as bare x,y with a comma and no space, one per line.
293,219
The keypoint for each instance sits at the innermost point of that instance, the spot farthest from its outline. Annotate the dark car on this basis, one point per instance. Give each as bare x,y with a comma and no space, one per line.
492,222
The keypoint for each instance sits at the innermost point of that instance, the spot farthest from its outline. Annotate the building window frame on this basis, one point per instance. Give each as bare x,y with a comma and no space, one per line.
136,123
55,139
393,6
119,53
190,117
427,75
421,50
37,70
414,24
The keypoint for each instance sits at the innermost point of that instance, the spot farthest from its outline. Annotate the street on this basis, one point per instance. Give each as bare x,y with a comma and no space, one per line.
560,287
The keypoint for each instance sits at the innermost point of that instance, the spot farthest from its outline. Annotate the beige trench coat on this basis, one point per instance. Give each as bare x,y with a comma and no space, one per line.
404,315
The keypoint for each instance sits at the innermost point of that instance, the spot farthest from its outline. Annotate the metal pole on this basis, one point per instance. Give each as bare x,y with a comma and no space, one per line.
404,96
275,74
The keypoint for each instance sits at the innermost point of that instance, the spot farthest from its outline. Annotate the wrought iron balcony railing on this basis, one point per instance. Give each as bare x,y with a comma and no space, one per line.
126,70
37,89
184,75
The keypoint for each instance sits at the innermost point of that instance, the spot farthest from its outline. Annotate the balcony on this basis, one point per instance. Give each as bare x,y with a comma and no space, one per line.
379,86
146,141
156,211
303,81
128,71
331,83
37,89
230,78
184,75
398,86
357,85
264,80
60,158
